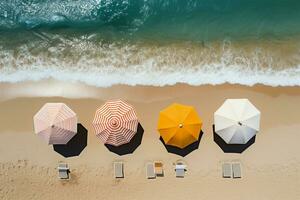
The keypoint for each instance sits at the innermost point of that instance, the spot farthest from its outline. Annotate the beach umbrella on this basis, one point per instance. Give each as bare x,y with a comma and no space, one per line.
115,123
179,125
237,121
55,123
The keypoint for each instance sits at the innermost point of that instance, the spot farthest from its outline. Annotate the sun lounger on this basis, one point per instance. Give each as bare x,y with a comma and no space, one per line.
159,171
180,170
63,171
180,173
119,172
236,168
226,169
150,171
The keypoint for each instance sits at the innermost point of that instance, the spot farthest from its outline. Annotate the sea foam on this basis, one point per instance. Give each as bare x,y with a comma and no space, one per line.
103,64
232,75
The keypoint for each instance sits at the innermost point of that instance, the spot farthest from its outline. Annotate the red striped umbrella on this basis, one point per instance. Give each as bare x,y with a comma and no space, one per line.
115,123
55,123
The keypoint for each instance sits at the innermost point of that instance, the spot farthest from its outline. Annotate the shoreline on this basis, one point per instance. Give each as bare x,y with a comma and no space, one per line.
56,88
271,62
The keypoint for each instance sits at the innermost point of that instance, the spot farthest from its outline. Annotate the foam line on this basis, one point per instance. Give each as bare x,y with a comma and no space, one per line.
287,77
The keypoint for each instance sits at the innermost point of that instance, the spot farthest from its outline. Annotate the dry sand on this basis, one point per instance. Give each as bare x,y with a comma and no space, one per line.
270,167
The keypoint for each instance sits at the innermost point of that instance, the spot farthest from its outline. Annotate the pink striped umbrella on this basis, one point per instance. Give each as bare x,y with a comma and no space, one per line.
55,123
115,123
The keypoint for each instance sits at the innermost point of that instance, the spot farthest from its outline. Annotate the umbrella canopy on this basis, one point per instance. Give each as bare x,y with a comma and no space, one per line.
55,123
237,121
179,125
115,123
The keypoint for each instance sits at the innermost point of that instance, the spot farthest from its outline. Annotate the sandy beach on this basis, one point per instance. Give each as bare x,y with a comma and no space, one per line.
150,54
270,167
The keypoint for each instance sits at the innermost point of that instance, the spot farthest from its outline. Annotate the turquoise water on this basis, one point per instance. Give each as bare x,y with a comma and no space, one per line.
210,41
175,19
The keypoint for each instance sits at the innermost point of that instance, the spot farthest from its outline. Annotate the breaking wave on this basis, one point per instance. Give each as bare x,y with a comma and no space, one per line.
105,64
159,78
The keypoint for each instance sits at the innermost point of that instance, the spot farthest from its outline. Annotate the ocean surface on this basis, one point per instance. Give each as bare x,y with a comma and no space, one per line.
151,42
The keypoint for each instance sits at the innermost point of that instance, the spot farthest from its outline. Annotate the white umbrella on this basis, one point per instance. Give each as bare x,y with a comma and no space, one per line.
237,121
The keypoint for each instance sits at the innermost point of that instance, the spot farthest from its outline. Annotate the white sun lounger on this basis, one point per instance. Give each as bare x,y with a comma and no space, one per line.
180,171
118,169
63,171
226,170
236,168
150,171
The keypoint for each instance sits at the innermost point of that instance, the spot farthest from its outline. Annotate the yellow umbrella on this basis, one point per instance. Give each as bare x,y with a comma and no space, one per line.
179,125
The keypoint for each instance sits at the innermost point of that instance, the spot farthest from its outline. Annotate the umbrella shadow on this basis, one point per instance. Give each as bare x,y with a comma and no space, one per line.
185,151
75,146
130,147
231,148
